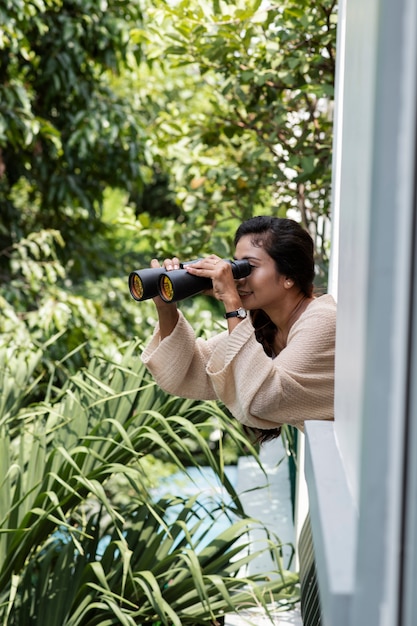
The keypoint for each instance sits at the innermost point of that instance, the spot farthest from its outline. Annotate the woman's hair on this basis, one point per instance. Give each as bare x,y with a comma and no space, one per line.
292,249
287,243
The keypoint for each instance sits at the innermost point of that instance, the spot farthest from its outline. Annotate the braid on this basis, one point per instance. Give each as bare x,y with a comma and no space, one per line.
265,330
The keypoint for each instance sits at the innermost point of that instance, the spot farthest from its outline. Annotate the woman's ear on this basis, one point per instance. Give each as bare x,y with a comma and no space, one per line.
289,283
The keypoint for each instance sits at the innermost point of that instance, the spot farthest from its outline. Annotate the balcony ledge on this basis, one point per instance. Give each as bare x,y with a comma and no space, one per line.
333,521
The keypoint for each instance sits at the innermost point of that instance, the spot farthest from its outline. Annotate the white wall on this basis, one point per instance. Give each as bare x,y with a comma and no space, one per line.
362,461
355,104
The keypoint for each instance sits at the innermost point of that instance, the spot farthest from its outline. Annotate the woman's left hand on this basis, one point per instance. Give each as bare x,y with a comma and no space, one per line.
221,275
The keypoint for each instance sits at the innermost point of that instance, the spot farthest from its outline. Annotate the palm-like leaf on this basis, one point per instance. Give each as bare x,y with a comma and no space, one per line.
59,457
150,575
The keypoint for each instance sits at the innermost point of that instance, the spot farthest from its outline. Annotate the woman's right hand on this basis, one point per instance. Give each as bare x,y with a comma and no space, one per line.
168,264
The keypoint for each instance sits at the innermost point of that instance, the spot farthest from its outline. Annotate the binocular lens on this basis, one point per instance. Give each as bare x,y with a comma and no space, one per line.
143,284
166,288
136,287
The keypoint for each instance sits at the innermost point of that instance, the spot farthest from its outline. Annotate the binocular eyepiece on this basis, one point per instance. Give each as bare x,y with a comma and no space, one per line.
177,284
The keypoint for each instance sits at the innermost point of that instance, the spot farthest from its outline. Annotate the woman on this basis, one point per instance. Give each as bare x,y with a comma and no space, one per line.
275,363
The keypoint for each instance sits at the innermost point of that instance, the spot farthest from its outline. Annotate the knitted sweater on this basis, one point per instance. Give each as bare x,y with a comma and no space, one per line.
297,385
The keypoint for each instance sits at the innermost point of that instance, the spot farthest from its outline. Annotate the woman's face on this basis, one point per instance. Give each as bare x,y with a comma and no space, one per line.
264,287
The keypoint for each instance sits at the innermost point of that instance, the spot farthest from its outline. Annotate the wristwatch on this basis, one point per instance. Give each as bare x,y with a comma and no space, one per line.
240,313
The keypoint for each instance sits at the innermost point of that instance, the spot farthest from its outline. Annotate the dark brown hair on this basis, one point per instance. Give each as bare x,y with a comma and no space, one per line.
288,243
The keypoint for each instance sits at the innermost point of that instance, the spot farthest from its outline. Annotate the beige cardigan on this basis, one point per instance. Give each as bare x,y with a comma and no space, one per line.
261,392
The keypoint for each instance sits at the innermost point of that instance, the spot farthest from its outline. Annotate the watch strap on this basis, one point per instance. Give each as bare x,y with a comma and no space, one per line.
241,313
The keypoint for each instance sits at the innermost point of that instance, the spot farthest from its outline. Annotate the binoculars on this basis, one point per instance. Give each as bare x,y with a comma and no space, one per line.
177,284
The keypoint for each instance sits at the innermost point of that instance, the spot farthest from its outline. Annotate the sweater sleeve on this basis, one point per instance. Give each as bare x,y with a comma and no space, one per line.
178,362
297,385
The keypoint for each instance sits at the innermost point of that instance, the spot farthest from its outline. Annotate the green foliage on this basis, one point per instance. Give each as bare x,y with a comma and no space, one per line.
247,123
129,132
71,550
65,135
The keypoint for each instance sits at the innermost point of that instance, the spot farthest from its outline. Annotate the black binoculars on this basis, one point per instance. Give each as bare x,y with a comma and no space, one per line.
177,284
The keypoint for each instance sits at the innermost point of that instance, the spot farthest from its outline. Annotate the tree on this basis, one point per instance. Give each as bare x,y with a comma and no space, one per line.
254,133
65,134
127,135
66,137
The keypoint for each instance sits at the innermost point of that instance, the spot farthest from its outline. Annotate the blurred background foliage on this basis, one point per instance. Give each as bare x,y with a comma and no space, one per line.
133,129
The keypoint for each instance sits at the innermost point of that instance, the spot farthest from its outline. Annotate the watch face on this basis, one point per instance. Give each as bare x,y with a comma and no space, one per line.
240,313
